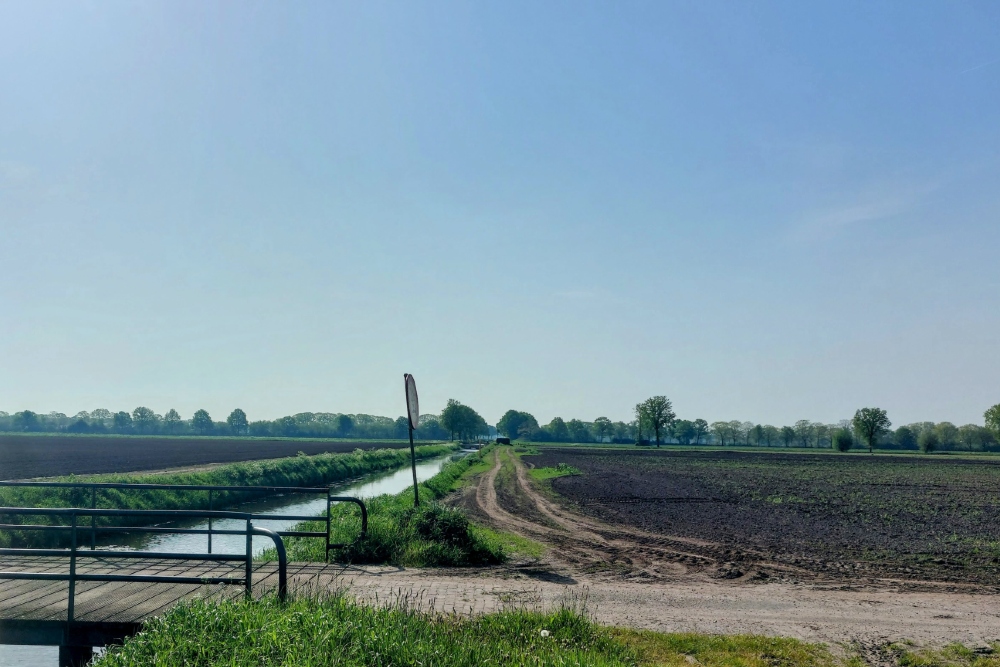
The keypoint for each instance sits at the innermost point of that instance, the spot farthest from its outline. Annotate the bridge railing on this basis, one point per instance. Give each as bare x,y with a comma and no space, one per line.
74,554
94,491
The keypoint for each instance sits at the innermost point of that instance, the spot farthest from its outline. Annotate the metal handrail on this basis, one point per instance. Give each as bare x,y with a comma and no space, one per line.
93,487
73,577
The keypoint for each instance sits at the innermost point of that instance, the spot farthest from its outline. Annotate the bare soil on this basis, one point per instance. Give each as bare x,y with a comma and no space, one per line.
33,456
678,582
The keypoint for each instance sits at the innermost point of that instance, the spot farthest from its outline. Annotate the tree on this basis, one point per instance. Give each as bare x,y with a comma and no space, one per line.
992,417
603,428
721,431
869,424
684,431
462,420
123,422
558,430
345,425
947,434
804,432
202,422
578,431
172,421
928,441
905,438
971,437
842,440
26,420
516,424
787,436
657,413
757,434
102,415
286,426
144,420
700,430
771,434
238,423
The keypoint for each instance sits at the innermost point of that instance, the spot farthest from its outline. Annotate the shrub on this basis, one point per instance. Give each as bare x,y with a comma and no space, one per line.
842,440
928,441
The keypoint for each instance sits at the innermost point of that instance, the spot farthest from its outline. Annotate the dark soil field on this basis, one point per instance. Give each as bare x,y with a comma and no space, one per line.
29,456
904,518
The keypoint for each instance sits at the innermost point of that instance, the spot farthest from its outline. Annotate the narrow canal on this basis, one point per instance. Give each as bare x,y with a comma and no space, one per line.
367,487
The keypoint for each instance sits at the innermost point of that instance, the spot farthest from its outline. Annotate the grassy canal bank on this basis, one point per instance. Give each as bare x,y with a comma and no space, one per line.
318,470
431,535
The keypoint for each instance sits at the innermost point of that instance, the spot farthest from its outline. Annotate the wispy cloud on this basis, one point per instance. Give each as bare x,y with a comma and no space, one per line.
887,203
986,64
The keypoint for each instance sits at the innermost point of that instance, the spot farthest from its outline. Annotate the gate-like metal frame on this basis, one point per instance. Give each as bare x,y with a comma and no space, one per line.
252,491
74,553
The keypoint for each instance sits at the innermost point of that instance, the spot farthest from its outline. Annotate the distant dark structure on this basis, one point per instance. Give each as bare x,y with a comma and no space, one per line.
503,441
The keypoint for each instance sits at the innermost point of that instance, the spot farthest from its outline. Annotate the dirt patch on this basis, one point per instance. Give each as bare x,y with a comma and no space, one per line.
911,520
27,457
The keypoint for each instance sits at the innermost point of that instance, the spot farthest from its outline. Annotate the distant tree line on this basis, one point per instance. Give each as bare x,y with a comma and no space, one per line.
144,421
654,422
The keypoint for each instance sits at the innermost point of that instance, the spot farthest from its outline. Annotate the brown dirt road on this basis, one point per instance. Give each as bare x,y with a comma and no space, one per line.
671,583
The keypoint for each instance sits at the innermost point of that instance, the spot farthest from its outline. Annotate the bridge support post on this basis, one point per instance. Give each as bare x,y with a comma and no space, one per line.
75,656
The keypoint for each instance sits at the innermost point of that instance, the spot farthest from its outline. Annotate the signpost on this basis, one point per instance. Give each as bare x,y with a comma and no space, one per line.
413,416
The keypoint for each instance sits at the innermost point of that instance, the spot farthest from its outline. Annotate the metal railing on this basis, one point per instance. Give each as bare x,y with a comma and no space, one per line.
243,492
74,553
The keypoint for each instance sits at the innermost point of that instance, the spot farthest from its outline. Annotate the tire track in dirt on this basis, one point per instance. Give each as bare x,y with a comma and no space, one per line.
590,545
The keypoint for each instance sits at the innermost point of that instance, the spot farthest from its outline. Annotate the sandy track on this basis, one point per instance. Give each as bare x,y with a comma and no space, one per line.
670,583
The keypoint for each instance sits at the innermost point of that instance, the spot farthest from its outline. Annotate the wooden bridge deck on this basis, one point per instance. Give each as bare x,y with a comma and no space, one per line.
35,612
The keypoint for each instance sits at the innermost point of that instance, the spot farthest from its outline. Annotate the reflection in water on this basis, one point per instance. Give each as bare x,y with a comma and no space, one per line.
395,482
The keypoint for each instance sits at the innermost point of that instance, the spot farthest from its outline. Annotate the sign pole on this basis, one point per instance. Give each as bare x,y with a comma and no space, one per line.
413,420
413,464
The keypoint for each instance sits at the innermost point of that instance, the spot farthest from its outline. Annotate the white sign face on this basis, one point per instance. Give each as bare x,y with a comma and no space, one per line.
412,404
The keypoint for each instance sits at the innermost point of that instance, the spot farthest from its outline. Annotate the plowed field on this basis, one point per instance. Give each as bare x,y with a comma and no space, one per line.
849,518
25,457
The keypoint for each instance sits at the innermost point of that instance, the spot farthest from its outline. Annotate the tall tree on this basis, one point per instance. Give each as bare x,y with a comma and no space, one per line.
202,422
700,430
144,420
757,434
602,428
771,434
345,425
992,417
905,438
238,423
684,431
804,432
558,430
787,436
578,431
947,435
172,421
26,420
658,413
869,424
517,424
123,422
721,431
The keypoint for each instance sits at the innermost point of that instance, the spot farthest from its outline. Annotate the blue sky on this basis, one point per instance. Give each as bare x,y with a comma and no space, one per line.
767,211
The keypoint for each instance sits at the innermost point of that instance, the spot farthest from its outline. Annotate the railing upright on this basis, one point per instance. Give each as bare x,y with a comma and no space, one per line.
93,518
72,573
249,575
210,521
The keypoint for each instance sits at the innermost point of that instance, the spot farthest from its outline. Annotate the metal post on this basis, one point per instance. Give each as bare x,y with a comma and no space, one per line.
249,573
72,574
413,464
210,521
93,518
329,526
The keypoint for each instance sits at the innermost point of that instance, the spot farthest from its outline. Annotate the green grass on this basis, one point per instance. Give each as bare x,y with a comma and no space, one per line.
314,632
319,470
399,534
560,470
952,655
